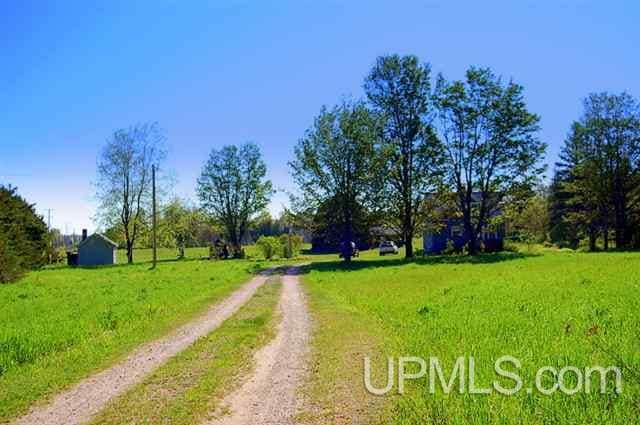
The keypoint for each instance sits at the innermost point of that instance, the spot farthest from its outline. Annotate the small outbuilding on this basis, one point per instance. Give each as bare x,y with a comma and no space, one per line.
96,250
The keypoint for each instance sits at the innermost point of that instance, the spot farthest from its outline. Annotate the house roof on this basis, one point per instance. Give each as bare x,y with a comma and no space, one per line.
383,231
101,237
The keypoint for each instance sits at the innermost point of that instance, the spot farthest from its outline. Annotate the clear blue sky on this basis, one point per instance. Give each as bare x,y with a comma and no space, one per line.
221,72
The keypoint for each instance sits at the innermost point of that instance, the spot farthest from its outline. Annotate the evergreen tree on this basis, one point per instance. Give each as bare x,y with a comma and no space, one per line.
600,164
23,236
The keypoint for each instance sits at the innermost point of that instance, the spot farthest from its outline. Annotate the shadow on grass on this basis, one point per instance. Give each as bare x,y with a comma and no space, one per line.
360,264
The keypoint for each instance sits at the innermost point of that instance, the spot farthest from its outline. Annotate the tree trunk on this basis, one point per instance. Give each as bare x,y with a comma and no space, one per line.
470,235
592,240
620,228
408,243
129,252
622,240
347,235
234,240
473,243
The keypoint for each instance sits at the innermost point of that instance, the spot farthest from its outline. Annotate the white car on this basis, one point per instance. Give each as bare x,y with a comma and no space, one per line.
388,247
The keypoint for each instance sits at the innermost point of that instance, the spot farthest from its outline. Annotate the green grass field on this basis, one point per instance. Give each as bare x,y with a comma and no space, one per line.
555,309
544,307
164,254
59,325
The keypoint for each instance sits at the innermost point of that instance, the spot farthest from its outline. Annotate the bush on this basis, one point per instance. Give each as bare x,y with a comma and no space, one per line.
509,246
291,245
269,245
450,249
56,255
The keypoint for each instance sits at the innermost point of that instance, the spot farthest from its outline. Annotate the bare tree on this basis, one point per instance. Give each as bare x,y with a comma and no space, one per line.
124,178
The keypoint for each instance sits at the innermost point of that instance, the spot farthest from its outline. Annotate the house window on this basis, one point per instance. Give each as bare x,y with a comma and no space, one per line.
456,231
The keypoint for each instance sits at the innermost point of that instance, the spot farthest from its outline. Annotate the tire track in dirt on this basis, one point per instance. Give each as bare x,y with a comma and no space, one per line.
270,395
79,403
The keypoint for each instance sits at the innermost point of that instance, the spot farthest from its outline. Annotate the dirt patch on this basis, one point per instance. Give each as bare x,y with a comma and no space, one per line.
270,395
80,402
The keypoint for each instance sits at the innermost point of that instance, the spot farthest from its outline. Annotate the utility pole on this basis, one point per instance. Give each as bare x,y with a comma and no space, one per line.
50,234
153,212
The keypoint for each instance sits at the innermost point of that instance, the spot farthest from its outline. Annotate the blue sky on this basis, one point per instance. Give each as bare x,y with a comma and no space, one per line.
224,72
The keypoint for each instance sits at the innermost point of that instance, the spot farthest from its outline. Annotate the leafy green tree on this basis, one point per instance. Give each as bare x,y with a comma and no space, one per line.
180,224
399,89
335,161
327,227
265,225
24,238
529,218
115,232
124,179
55,248
232,190
490,143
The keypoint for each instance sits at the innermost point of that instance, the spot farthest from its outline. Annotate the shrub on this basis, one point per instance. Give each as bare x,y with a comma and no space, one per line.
450,248
291,245
56,255
509,246
269,245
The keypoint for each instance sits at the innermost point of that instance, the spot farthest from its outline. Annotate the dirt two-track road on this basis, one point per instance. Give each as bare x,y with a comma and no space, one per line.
268,396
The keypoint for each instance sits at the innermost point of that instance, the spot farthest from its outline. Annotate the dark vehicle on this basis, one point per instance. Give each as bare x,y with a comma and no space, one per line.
348,249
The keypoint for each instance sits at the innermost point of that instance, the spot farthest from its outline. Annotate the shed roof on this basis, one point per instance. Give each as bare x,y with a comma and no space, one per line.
100,237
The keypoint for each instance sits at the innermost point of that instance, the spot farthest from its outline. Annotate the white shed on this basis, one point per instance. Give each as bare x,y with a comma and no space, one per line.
96,250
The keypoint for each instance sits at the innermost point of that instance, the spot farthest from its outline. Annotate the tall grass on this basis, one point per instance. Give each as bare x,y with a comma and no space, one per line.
555,309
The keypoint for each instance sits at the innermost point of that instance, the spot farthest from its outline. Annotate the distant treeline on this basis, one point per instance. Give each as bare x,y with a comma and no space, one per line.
183,225
595,192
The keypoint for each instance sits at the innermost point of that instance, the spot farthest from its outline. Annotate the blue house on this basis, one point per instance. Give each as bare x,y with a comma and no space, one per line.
451,233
